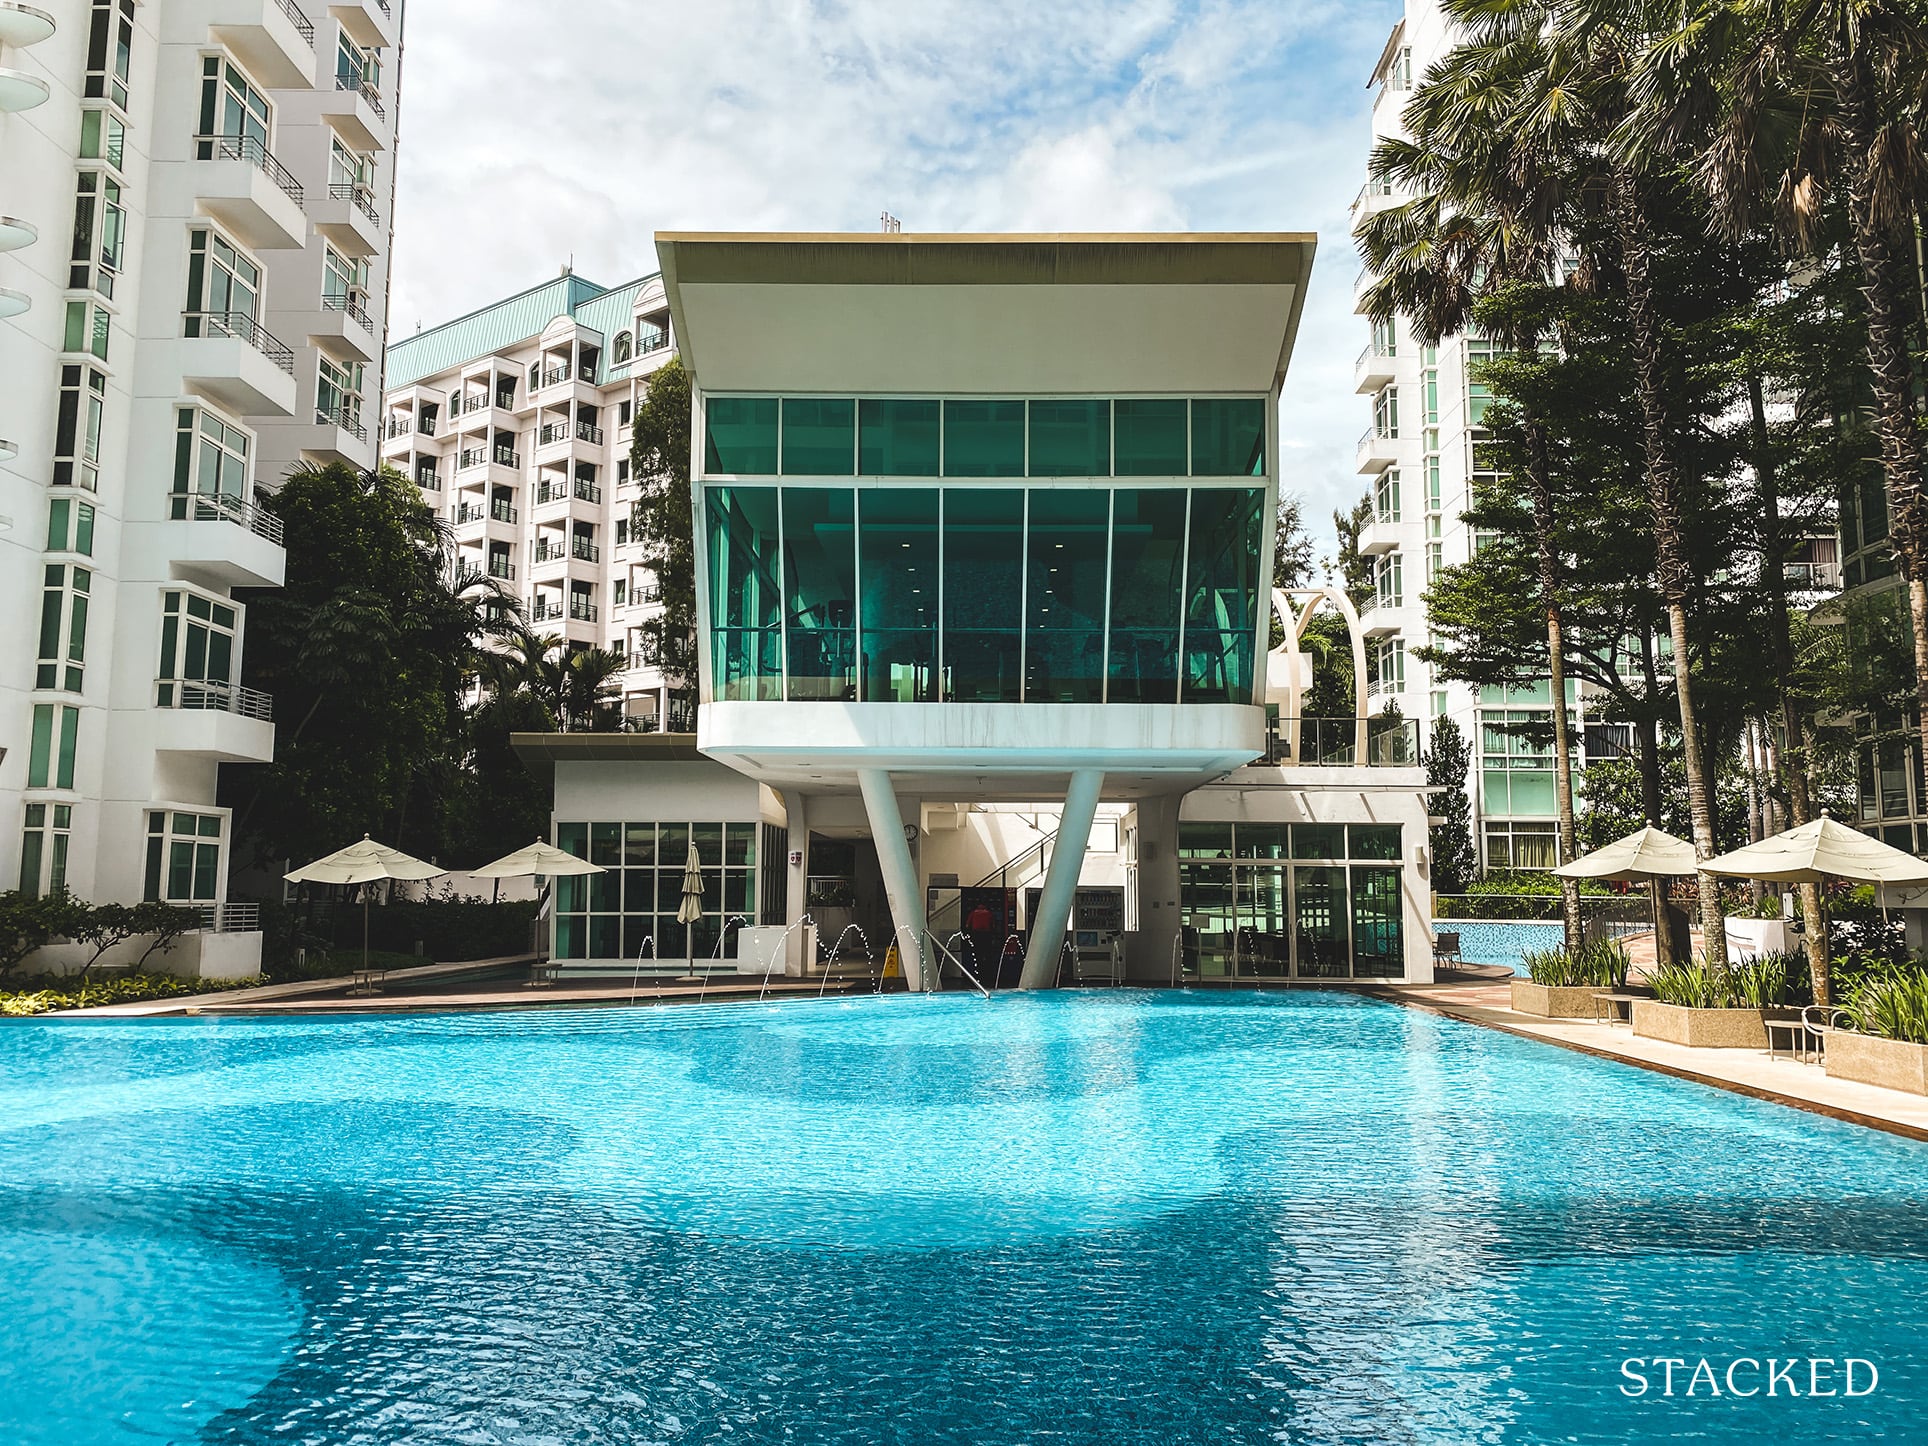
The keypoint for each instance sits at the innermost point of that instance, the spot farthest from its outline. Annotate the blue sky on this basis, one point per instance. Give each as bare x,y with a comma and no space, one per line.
522,147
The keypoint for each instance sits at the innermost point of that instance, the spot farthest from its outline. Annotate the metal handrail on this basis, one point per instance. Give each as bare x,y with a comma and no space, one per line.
398,426
303,25
202,694
428,478
589,432
586,551
358,86
471,403
502,568
218,507
234,916
343,417
502,512
470,457
362,196
242,327
468,512
587,491
646,345
345,302
507,457
547,551
255,152
582,612
554,375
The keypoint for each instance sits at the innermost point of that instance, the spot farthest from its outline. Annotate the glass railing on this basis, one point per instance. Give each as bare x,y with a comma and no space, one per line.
1384,742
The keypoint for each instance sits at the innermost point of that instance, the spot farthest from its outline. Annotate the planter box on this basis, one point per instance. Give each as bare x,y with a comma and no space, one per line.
1555,1001
1893,1063
1748,938
1701,1028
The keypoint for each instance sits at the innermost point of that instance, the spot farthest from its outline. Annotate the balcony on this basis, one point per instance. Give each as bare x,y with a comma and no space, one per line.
223,541
1377,452
22,25
541,610
584,550
239,183
219,721
553,376
274,39
340,321
428,479
356,113
1386,742
581,612
368,22
232,359
399,424
20,91
1373,369
589,432
1376,616
547,551
347,217
467,513
1380,536
502,568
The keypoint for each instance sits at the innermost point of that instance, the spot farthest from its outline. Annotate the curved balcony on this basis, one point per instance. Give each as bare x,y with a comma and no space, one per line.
8,450
16,233
23,25
12,302
20,91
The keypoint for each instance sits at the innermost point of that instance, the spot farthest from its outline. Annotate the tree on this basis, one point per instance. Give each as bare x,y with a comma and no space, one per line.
1448,763
662,522
1353,565
1291,544
28,922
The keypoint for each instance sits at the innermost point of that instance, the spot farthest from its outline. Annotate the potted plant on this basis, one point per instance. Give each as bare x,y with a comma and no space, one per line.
1889,1042
1713,1004
1562,984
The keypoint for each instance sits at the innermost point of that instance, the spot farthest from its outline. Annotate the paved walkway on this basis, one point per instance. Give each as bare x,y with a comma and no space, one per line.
1745,1071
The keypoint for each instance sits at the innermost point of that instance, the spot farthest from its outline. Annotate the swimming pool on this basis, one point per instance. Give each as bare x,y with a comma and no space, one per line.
1111,1217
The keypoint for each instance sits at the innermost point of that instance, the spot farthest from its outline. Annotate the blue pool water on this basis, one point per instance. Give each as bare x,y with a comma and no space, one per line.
1502,941
1096,1218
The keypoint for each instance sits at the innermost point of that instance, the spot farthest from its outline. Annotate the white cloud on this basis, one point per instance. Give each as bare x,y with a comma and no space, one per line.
522,147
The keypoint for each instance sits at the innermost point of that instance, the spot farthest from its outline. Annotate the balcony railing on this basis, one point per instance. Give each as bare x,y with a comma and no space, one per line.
345,302
649,592
587,491
541,611
587,373
235,916
502,512
647,344
554,375
345,418
206,695
218,507
1385,742
589,432
240,325
585,550
468,512
302,24
470,457
255,152
547,551
357,86
582,612
551,432
501,567
471,403
506,457
361,195
550,492
562,432
398,425
428,478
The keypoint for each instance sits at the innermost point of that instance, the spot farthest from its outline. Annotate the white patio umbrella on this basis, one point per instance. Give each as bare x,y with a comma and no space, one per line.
1816,852
1645,854
366,862
539,859
691,907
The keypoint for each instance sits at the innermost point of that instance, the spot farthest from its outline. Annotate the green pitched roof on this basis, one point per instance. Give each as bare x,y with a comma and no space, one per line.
490,329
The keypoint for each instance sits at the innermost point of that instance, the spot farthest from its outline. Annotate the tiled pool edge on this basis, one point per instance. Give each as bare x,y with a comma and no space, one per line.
1504,1023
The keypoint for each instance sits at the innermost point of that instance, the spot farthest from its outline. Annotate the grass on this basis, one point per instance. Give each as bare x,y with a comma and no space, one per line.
1598,963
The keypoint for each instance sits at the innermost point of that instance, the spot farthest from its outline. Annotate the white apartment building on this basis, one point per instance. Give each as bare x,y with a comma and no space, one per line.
515,422
193,216
1422,455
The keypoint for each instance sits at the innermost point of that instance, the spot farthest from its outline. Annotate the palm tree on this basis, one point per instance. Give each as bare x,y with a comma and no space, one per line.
1488,214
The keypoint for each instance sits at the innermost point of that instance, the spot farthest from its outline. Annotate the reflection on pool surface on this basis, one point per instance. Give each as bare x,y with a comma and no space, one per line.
1116,1217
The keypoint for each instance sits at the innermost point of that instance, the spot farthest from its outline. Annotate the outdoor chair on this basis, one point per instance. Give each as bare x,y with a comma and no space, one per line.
1446,947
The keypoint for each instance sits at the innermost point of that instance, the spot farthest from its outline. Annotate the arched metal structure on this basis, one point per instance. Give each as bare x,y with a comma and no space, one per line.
1288,668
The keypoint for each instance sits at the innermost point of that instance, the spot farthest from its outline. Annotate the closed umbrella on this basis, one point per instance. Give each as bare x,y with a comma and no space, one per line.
691,907
544,860
366,862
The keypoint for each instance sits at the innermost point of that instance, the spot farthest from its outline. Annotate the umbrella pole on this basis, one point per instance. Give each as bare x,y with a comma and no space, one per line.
364,929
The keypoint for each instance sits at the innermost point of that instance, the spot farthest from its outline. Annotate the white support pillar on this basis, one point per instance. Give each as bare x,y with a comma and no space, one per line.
1061,880
796,877
900,874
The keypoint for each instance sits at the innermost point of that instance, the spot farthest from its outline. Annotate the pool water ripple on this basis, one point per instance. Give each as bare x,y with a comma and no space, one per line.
1084,1218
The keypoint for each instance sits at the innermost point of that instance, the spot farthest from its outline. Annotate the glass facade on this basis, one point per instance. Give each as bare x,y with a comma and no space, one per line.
984,593
984,437
629,911
1303,901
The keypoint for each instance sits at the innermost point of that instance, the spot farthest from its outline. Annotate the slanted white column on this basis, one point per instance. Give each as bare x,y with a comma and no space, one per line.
1061,880
900,874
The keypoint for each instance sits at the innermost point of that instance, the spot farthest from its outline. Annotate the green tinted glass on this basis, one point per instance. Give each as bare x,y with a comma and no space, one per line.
1378,920
1064,625
1228,437
1222,579
740,435
1070,439
897,558
745,636
897,438
819,436
1151,437
984,439
1318,840
820,591
1147,574
983,593
1374,840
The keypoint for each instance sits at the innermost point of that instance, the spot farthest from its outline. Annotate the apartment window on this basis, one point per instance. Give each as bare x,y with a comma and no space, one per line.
70,526
100,232
210,458
355,66
622,531
1479,396
183,857
1390,661
1385,496
1435,561
625,411
110,51
619,592
343,282
1516,774
83,403
103,137
55,740
1521,846
231,106
88,328
622,470
43,848
1389,581
1399,75
1432,482
1385,338
1385,412
63,627
338,391
199,640
221,280
622,349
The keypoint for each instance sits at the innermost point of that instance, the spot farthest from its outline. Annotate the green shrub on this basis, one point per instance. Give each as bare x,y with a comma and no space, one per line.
48,993
1763,982
1598,963
1891,1001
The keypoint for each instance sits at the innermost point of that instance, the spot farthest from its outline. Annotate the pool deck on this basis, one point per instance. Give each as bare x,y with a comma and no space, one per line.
1486,1001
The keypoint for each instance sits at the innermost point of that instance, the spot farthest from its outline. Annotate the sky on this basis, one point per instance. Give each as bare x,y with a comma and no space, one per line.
538,134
